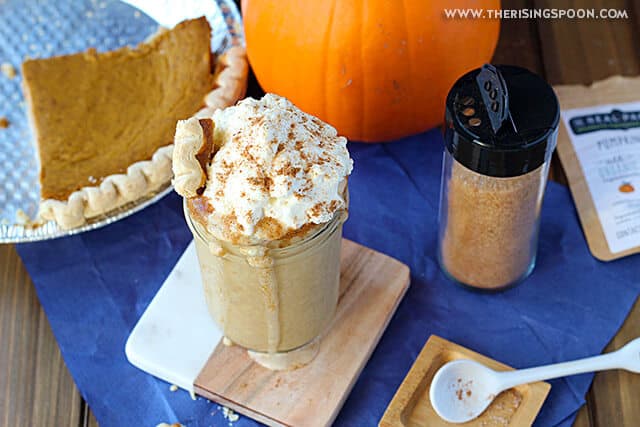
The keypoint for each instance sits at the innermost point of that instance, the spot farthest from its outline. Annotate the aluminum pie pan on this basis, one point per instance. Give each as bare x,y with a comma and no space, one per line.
18,233
106,25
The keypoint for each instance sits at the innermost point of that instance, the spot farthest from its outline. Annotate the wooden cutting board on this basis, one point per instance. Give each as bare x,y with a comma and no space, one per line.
371,287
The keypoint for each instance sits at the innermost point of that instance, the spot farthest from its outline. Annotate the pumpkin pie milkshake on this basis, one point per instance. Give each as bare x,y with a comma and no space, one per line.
265,189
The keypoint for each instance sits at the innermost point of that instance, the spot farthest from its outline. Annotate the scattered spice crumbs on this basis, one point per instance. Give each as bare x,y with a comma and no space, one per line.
229,414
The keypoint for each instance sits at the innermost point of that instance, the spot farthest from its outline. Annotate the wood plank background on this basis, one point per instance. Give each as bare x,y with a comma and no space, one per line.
36,388
581,52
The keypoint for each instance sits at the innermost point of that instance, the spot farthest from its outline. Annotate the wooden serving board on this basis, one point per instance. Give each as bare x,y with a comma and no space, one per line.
371,287
411,406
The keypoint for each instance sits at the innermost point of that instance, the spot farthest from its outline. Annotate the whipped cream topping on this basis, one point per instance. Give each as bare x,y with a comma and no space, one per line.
276,170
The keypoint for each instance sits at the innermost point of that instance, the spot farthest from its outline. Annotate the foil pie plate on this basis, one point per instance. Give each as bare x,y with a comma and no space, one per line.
40,28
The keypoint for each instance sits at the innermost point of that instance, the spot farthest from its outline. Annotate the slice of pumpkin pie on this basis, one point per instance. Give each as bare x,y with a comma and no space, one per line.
104,122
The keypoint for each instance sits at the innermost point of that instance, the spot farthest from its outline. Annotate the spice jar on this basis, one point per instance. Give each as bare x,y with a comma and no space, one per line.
501,125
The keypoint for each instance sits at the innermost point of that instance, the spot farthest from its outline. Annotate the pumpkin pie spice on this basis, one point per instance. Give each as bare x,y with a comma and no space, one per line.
501,129
490,236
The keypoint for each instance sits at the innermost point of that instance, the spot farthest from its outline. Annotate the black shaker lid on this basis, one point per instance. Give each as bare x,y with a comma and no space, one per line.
501,120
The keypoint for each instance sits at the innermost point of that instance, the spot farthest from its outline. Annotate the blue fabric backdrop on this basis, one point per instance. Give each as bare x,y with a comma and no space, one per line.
95,286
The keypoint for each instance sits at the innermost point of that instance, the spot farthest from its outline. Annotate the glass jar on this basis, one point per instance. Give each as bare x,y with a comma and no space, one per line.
500,132
276,298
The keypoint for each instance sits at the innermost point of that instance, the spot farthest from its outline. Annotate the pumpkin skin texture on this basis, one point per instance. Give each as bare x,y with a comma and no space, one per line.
375,69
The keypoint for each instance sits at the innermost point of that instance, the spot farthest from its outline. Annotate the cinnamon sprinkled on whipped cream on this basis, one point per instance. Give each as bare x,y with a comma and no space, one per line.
276,170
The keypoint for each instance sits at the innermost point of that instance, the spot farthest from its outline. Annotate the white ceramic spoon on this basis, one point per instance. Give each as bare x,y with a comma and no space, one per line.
462,389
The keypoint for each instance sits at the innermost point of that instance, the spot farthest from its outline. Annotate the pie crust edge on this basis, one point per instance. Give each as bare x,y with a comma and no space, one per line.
146,176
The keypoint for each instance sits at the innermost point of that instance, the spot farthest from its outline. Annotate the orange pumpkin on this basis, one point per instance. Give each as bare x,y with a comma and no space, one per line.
374,69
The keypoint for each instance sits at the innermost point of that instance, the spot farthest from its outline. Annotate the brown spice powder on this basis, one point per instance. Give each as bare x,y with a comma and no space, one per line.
317,208
200,208
270,228
488,239
264,183
288,170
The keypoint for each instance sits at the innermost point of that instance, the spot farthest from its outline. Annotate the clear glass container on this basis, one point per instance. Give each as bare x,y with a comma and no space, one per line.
501,126
488,226
272,299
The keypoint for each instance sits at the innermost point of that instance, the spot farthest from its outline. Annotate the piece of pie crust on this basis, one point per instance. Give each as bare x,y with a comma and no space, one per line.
104,122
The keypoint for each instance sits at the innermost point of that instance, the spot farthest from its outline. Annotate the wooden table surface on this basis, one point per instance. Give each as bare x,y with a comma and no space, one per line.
36,388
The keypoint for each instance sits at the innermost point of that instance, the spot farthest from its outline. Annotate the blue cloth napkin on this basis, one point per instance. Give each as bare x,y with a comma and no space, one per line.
95,286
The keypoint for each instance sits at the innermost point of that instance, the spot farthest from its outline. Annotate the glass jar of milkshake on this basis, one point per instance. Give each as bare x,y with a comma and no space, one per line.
267,221
276,298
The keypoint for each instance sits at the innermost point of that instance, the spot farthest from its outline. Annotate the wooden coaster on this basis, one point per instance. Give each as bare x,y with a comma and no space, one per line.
411,406
371,287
